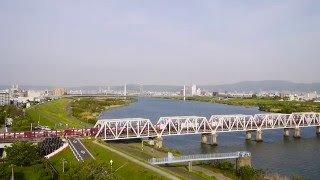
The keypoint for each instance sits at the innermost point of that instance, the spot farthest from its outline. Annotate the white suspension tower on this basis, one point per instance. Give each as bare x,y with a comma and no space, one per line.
125,90
184,92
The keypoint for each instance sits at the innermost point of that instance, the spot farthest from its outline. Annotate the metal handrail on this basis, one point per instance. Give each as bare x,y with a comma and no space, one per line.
198,157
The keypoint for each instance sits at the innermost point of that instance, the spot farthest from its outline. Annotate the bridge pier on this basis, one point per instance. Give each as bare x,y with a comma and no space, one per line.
318,130
242,161
297,133
204,139
213,139
248,135
286,132
190,166
259,136
159,142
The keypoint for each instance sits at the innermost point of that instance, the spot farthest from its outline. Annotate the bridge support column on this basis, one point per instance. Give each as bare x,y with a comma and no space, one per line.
204,139
297,133
213,139
318,130
242,161
259,136
286,132
159,142
248,135
190,166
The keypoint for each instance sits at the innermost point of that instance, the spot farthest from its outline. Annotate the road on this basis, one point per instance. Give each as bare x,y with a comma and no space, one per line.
79,149
152,168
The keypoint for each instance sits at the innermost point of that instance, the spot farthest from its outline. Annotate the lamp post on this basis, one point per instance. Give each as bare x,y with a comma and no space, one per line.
5,119
111,162
12,173
63,161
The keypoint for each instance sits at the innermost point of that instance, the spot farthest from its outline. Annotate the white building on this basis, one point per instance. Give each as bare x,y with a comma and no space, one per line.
35,94
4,98
194,90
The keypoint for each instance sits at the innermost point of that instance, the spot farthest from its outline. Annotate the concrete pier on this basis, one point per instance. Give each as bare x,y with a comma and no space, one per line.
318,130
243,161
259,136
204,139
286,132
159,142
248,135
297,133
190,166
213,139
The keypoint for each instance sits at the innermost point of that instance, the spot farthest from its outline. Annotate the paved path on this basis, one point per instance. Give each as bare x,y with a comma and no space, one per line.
218,176
152,168
78,149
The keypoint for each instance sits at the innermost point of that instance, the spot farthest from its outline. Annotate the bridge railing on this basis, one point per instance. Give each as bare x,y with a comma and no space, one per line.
198,157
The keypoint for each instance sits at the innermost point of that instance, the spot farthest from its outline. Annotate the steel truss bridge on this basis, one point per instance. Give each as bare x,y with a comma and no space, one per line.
129,128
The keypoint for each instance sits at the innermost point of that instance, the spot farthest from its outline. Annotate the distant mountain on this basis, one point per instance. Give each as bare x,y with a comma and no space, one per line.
254,86
268,85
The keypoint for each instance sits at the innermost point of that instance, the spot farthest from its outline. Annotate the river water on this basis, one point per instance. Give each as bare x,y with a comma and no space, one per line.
285,156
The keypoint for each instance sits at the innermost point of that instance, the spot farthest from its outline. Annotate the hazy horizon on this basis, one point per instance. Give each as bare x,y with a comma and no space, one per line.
98,43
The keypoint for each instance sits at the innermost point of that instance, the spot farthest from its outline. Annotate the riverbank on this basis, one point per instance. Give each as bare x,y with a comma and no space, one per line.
89,109
67,113
264,104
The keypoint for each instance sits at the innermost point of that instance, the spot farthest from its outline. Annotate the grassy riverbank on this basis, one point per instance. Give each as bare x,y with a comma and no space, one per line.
67,113
88,109
264,104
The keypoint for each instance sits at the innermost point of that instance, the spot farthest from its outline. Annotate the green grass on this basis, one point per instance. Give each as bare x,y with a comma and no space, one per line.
265,104
57,113
203,175
129,171
68,156
33,172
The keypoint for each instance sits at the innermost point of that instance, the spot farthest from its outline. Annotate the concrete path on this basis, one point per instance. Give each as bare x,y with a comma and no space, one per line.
152,168
78,149
218,176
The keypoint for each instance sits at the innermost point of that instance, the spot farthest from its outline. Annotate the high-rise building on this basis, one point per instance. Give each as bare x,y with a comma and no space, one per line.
4,98
58,91
194,90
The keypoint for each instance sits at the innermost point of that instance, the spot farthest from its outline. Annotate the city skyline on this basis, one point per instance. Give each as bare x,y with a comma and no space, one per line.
161,43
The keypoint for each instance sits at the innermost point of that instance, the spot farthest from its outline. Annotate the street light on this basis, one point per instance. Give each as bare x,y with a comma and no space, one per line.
111,162
63,161
12,173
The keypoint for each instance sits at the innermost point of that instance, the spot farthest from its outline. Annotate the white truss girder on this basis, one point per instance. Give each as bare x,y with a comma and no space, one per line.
113,129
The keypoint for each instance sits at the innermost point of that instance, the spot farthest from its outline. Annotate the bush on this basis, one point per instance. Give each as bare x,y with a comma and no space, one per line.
247,173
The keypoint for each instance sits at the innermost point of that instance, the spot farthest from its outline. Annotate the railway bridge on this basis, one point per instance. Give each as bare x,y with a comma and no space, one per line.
130,128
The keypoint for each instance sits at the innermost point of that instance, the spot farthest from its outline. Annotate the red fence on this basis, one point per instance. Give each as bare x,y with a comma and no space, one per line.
52,133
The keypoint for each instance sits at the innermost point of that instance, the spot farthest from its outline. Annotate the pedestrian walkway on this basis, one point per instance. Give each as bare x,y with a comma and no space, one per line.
152,168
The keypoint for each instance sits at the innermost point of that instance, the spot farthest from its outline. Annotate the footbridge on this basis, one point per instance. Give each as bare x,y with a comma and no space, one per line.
242,158
129,128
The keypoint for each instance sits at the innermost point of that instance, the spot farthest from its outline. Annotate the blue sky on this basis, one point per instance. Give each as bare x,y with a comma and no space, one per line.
69,43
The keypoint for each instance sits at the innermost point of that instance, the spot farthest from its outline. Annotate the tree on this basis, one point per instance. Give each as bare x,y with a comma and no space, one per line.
22,153
89,169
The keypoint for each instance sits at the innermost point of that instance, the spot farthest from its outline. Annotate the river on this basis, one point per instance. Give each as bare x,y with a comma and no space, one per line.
285,156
